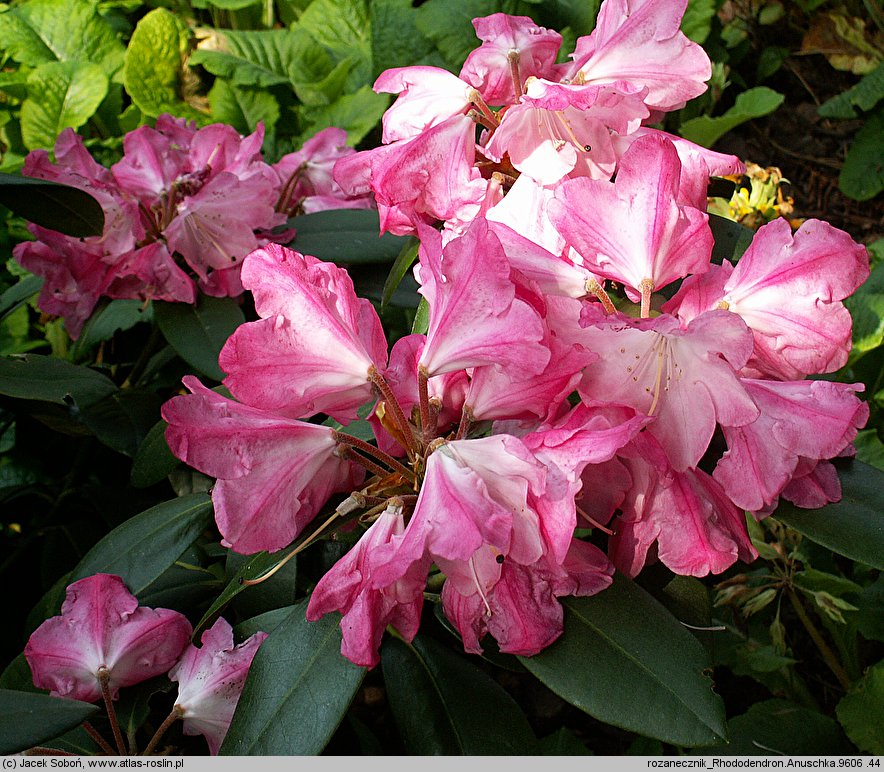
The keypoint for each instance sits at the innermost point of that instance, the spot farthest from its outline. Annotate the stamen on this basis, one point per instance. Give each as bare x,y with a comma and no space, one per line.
646,287
513,59
479,586
594,523
593,286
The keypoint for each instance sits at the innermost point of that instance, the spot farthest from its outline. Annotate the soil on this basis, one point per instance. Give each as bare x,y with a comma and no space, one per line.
809,150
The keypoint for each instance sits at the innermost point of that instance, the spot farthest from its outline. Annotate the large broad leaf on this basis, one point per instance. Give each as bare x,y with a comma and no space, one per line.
697,20
122,419
154,63
153,460
244,108
395,39
861,711
863,96
141,549
197,332
357,113
445,705
345,236
862,176
298,690
627,661
852,527
752,103
59,207
256,58
449,24
27,719
44,378
781,728
61,95
60,30
107,320
342,28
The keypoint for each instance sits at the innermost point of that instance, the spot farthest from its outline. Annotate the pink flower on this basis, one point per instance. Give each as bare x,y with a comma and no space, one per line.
639,41
686,379
787,288
813,420
645,239
507,39
316,346
102,628
211,679
274,473
474,309
368,606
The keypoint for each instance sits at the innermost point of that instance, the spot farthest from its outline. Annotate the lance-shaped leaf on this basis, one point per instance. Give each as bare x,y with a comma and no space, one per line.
28,719
48,379
626,661
345,236
444,704
51,205
298,679
853,526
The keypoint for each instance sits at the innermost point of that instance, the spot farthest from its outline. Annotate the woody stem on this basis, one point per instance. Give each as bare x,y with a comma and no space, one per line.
177,712
102,743
104,682
423,389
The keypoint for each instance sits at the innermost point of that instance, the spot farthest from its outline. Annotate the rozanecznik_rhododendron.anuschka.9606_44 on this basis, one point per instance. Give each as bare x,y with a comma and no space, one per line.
555,387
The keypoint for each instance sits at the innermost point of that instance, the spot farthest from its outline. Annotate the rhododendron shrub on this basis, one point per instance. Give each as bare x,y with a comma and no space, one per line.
587,391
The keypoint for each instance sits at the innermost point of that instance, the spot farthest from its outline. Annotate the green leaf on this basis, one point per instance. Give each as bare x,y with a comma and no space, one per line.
862,176
255,566
244,108
866,306
731,239
863,96
297,679
449,24
395,39
122,419
60,95
852,527
141,549
274,592
779,727
357,113
562,743
345,236
254,58
27,719
266,622
60,30
18,676
861,711
154,63
752,103
646,674
59,207
116,316
869,448
197,332
153,460
697,20
444,705
47,379
404,260
18,294
341,27
422,318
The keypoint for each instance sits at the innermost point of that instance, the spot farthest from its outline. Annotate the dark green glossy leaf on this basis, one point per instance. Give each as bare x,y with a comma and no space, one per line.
17,675
198,332
345,236
141,549
781,728
27,719
107,320
861,711
562,743
266,622
153,460
852,527
404,261
646,672
44,378
122,419
298,690
731,239
445,705
278,590
19,294
52,205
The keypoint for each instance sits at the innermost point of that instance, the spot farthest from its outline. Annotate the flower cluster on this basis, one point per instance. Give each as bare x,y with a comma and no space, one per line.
182,208
555,384
104,641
